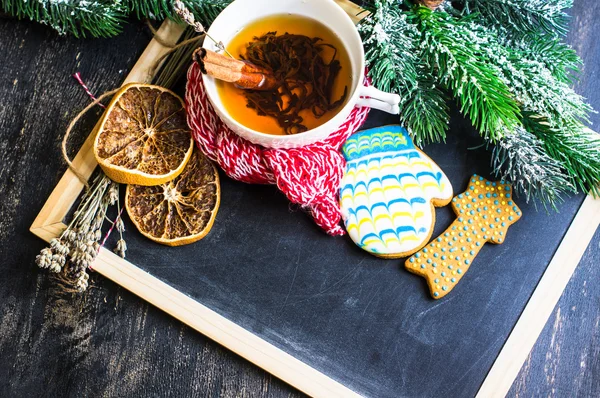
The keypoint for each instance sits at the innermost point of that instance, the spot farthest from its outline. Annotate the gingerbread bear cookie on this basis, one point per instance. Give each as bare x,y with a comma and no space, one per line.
485,211
389,191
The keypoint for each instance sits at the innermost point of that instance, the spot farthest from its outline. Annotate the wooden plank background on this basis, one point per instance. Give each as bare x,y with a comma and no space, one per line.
111,343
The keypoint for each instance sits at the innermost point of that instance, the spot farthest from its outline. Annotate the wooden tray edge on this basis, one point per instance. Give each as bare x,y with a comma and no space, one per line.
218,328
542,302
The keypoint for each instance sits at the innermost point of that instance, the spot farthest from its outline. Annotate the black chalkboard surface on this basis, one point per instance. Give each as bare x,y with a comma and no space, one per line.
361,320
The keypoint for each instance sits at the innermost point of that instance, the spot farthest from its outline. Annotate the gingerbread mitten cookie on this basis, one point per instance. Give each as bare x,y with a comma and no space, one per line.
389,191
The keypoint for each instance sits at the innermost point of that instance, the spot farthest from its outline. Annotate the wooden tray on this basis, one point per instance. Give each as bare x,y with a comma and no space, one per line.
315,368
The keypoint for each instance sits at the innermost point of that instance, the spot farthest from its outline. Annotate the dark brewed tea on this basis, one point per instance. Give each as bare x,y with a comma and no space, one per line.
300,37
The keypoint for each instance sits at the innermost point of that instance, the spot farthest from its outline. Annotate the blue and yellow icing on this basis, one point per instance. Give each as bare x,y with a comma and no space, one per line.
387,192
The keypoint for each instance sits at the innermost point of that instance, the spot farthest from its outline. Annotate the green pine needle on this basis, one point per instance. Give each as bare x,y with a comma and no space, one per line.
80,18
577,149
204,11
520,158
425,112
104,18
510,74
391,49
537,89
465,70
558,57
519,17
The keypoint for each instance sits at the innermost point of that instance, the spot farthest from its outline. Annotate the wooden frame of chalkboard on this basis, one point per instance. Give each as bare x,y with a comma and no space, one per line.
49,224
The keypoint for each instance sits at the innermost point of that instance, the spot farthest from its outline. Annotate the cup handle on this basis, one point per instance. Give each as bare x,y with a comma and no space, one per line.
374,98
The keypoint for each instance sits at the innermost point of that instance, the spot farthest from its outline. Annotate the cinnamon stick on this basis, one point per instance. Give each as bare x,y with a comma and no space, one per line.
212,57
243,74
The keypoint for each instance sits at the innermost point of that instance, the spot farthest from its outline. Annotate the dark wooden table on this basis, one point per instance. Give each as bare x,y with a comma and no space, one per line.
109,342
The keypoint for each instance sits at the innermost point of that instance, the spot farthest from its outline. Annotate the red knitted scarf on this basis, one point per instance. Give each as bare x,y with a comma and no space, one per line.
309,176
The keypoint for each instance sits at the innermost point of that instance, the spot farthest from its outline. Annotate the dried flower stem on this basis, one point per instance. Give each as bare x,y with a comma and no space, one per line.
71,254
187,16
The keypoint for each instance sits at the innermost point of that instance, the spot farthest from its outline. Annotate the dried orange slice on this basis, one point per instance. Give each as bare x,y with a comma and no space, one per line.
143,137
180,211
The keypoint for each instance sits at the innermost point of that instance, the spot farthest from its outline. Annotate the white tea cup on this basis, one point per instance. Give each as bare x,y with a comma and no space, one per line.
242,12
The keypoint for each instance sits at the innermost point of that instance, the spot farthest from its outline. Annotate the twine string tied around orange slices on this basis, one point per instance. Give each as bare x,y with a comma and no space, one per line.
65,155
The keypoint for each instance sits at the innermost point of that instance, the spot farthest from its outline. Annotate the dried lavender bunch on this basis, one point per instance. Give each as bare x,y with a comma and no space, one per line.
187,16
71,254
